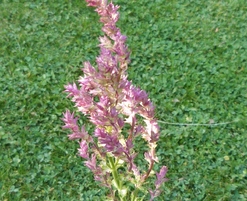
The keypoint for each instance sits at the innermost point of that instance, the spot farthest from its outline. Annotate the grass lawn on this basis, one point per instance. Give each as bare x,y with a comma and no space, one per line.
190,56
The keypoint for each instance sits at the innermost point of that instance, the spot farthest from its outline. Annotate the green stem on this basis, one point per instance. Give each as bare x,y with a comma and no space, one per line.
116,178
115,173
134,194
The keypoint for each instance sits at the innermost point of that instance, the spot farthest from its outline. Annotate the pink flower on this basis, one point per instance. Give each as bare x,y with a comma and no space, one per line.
94,3
71,123
107,63
83,151
161,177
118,110
91,163
109,141
83,100
152,131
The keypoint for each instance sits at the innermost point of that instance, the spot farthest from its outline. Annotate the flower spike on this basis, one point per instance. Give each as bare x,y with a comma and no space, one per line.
119,112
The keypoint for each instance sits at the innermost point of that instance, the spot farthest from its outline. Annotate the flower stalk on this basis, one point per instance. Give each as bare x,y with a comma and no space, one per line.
120,113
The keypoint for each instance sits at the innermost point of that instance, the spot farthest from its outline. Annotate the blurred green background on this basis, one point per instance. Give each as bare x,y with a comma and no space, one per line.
190,56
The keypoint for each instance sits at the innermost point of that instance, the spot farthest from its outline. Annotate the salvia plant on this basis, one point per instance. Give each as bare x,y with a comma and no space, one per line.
122,115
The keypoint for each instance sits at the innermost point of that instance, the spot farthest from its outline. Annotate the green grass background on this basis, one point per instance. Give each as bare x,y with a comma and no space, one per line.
190,56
